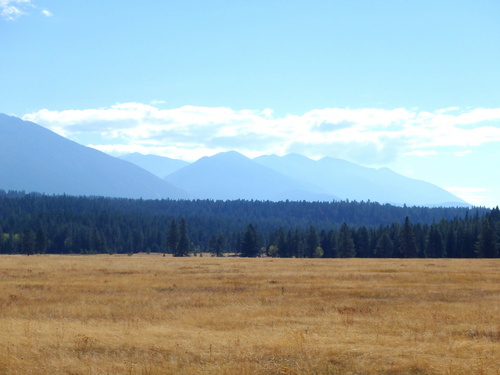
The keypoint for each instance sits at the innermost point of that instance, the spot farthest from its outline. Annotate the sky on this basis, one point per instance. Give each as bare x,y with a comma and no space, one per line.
409,85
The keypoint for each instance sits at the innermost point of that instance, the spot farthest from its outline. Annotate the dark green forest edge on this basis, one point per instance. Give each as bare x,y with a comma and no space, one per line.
37,224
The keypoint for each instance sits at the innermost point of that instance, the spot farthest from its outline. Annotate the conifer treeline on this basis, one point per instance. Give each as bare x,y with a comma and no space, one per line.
32,223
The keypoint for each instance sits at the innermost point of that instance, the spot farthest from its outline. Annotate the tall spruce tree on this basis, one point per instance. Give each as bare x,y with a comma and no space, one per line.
249,243
486,243
362,242
311,242
28,242
297,244
281,243
385,246
434,247
346,247
451,244
173,237
184,245
408,245
329,243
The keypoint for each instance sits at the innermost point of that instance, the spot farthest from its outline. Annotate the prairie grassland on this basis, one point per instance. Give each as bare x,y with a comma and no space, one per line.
148,314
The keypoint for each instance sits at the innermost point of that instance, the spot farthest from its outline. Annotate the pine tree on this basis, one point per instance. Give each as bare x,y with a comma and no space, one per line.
395,231
385,246
346,247
281,243
362,242
486,243
434,245
249,243
408,245
329,244
28,242
184,245
296,244
173,237
451,244
311,242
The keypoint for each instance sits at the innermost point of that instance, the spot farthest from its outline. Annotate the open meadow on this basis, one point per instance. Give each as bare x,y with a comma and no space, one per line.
148,314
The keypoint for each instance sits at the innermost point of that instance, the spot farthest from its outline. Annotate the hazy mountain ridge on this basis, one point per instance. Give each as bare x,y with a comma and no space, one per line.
36,159
230,175
354,182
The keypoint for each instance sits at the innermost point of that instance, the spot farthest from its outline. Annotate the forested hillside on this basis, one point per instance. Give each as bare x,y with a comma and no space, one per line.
31,223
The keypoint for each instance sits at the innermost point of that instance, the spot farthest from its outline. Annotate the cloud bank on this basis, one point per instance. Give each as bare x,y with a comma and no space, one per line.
368,136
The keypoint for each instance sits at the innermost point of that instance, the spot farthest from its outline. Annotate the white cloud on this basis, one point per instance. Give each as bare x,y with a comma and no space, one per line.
13,9
368,135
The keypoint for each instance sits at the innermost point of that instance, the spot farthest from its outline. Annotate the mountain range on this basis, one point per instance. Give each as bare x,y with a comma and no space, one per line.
230,175
34,158
354,182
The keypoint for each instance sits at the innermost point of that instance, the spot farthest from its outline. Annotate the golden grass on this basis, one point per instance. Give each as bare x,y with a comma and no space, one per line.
162,315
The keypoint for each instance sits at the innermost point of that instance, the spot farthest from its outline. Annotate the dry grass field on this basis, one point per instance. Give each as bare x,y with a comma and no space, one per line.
148,314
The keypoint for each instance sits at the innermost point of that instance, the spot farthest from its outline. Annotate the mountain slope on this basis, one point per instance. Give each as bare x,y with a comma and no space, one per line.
230,175
354,182
33,158
158,165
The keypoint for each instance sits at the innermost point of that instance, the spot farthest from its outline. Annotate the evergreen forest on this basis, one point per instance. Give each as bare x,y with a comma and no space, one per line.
37,224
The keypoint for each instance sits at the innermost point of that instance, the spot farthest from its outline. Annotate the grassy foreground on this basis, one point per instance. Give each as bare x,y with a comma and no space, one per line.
159,315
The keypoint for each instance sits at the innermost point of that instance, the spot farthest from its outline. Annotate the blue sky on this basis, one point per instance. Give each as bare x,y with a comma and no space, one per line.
409,85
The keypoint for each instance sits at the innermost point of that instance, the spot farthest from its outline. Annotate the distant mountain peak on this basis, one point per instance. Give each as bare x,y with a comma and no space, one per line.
35,159
231,175
348,180
229,155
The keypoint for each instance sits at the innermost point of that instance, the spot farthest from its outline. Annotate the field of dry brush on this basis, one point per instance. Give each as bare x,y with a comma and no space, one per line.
148,314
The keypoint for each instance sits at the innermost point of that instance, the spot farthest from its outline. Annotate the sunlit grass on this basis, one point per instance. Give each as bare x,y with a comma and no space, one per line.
163,315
